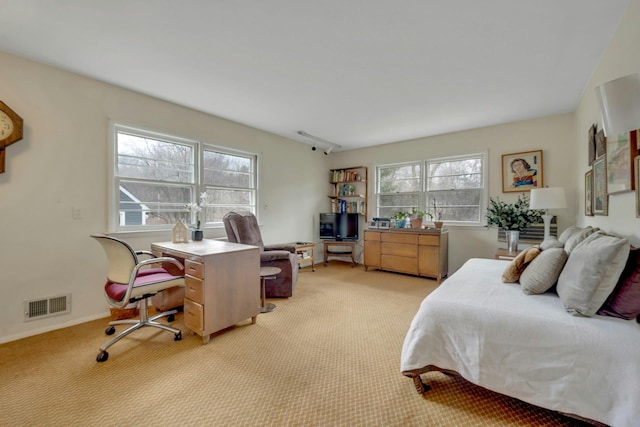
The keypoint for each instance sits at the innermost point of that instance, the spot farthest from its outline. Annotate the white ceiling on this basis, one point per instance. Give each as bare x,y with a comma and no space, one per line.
355,72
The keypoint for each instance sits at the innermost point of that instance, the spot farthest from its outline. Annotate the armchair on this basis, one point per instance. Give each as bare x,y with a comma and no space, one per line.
130,281
242,227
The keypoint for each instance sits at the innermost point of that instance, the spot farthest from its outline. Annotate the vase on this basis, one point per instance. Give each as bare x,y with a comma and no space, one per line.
438,224
512,241
416,222
197,235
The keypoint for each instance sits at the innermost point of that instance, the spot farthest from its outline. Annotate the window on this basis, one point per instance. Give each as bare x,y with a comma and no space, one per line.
455,184
398,188
155,176
457,187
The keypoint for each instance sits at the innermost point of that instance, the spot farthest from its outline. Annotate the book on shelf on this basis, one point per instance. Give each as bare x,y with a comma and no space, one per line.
341,175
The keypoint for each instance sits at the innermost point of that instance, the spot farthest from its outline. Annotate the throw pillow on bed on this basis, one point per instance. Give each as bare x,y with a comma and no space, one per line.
624,301
591,273
543,271
551,242
519,264
573,235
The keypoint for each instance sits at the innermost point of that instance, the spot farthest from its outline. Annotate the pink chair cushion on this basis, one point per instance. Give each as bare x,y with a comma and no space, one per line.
116,291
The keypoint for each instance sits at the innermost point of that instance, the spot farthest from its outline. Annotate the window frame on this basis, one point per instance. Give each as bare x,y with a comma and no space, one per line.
196,185
424,193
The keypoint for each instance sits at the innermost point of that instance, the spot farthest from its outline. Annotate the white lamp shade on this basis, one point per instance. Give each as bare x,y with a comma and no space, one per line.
620,104
548,198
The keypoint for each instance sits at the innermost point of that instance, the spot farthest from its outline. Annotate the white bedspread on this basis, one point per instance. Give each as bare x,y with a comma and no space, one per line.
527,346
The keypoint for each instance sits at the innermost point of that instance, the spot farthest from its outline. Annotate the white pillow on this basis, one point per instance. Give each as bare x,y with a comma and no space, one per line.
591,273
542,273
551,242
577,236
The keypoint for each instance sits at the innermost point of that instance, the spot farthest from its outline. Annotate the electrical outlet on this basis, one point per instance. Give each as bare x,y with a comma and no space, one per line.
76,212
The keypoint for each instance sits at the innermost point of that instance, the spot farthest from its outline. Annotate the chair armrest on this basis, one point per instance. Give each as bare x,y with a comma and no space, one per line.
145,253
159,260
281,247
274,255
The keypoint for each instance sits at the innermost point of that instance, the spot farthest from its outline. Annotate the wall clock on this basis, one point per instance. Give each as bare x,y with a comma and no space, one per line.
10,130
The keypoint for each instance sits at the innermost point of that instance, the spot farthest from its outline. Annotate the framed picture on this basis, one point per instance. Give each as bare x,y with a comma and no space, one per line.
521,171
620,154
600,197
591,144
601,148
588,193
637,178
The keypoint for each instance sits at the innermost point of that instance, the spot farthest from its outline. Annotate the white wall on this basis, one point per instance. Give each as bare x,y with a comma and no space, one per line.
62,163
620,59
553,135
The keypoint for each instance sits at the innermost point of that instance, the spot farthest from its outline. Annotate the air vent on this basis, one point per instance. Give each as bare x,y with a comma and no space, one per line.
47,307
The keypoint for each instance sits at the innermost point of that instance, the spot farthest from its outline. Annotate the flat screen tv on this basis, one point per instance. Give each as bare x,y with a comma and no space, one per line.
336,226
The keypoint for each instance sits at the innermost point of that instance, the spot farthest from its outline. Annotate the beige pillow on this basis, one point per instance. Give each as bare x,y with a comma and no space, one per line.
551,242
574,235
519,263
543,271
591,273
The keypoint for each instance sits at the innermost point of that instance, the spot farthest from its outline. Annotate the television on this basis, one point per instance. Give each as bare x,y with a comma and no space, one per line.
339,226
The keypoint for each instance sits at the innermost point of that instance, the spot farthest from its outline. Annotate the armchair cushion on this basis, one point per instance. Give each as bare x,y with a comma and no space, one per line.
267,256
281,247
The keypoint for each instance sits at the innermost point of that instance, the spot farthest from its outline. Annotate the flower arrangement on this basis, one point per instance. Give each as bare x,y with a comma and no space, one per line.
514,216
197,208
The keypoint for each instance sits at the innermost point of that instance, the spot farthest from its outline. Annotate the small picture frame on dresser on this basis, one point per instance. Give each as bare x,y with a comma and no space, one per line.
373,224
384,224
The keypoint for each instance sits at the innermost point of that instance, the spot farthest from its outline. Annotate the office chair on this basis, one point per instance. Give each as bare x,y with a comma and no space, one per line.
128,282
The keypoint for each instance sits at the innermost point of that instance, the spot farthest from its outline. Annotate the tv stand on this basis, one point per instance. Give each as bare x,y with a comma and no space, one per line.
342,252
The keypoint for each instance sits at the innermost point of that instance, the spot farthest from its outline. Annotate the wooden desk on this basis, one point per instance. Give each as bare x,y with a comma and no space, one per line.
222,283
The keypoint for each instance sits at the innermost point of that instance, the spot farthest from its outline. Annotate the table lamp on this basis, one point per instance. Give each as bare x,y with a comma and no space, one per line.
545,199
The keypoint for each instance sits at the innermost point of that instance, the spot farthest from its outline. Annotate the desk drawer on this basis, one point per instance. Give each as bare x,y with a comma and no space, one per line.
193,289
193,315
194,269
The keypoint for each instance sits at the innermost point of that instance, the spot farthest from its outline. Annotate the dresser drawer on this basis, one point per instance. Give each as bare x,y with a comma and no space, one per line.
371,235
400,238
194,269
193,315
399,263
193,289
429,240
399,249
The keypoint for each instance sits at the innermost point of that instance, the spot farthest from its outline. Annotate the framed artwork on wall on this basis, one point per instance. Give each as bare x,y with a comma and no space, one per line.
588,193
591,144
522,171
620,154
601,140
600,196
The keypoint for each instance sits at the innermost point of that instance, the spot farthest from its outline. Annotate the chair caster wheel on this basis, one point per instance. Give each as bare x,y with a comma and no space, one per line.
177,336
110,331
102,356
171,318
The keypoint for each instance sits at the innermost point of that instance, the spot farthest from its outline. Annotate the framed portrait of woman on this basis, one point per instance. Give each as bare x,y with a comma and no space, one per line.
522,171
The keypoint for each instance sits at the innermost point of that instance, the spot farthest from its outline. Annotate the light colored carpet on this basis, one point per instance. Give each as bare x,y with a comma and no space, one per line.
328,356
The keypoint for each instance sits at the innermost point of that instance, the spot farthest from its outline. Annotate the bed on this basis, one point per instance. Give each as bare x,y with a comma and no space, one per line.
526,346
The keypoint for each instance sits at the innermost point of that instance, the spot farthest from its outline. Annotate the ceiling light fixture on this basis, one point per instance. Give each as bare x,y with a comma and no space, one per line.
328,145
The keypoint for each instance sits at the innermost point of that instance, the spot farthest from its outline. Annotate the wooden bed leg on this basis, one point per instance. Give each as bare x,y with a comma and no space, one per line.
421,387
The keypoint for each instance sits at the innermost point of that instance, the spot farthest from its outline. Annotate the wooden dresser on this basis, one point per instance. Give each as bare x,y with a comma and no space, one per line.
423,252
